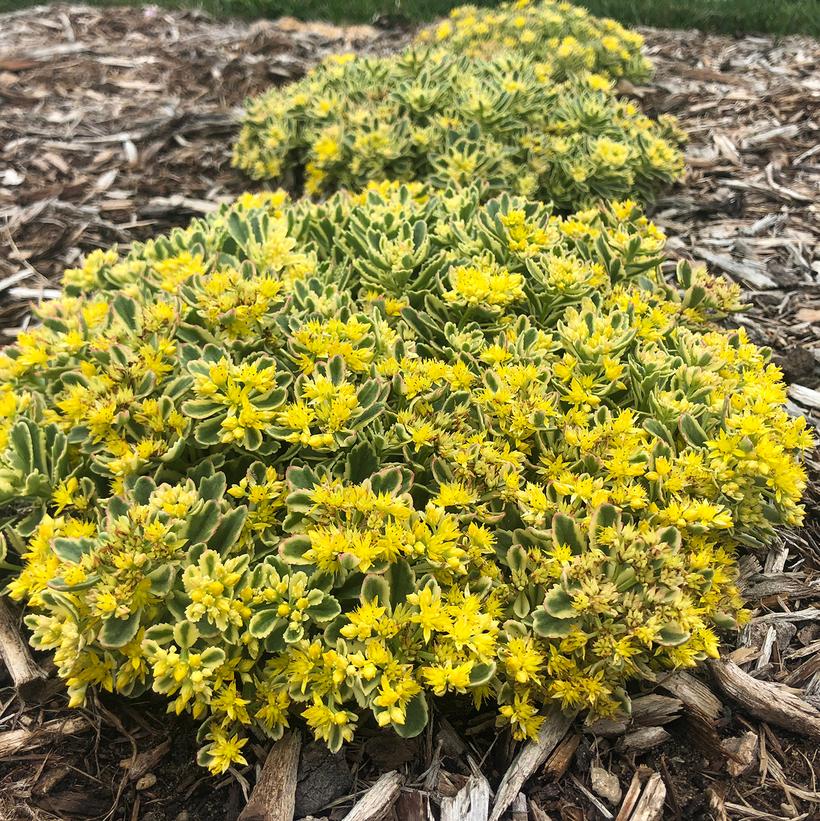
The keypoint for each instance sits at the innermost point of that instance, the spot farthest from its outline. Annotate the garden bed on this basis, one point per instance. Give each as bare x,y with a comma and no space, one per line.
117,125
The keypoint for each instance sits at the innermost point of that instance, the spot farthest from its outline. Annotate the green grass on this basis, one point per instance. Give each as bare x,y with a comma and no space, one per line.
725,16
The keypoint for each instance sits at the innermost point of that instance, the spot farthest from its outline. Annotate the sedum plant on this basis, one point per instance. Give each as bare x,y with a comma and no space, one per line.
567,37
328,461
446,120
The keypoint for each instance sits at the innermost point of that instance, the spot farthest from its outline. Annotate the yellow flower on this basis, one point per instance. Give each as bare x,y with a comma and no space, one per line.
224,751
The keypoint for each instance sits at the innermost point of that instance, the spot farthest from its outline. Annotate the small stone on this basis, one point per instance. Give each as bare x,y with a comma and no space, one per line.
146,782
605,785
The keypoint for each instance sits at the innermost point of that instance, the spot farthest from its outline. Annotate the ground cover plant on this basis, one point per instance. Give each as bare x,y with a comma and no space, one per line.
567,36
444,120
333,460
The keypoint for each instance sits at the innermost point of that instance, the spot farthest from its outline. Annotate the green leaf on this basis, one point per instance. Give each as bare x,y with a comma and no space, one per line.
325,610
301,478
694,296
293,549
558,603
238,228
185,634
213,487
22,447
402,582
692,432
299,501
603,517
263,622
213,657
388,480
724,620
72,550
228,530
294,633
207,433
118,632
657,428
671,536
203,523
521,605
517,559
126,310
549,627
415,719
672,635
160,633
362,461
162,580
61,585
376,587
566,532
482,673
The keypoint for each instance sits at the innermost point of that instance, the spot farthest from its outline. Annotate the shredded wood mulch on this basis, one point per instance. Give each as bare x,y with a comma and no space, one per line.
116,125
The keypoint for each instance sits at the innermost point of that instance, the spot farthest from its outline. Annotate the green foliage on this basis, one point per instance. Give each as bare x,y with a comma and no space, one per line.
333,460
565,36
446,120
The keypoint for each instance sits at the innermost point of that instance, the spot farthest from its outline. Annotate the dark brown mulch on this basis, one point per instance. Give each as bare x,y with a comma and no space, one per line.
116,124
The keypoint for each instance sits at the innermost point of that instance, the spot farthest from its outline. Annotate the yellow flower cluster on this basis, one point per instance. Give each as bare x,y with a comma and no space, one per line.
566,36
446,120
334,460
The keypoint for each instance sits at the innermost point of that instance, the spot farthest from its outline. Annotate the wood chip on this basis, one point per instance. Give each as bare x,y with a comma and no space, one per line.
531,757
807,397
654,709
644,739
537,813
274,796
471,803
140,764
414,805
26,738
771,702
26,674
749,272
650,804
693,693
742,752
602,809
378,801
519,811
558,763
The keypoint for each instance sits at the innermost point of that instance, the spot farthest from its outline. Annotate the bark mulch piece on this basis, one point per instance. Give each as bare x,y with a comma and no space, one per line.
749,207
117,125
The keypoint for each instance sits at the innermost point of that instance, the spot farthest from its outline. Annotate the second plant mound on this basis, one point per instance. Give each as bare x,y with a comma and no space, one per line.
334,460
446,120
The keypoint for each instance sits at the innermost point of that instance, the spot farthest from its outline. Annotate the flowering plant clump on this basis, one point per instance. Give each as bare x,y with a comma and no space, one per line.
332,460
446,120
567,37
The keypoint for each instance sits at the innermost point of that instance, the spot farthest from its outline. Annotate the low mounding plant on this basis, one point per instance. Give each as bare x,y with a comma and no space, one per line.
567,37
446,120
332,460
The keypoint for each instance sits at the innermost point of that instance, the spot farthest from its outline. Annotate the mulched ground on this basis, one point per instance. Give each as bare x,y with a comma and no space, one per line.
116,124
